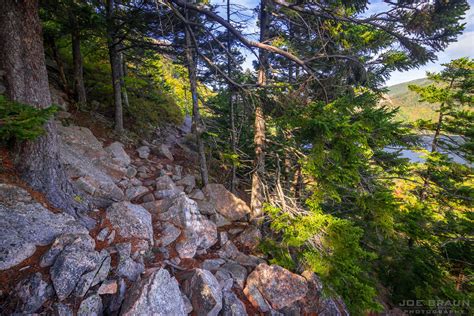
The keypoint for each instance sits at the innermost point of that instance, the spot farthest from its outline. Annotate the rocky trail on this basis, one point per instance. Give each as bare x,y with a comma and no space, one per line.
154,242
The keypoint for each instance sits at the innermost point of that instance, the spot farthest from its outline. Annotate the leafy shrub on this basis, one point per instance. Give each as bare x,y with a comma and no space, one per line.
21,121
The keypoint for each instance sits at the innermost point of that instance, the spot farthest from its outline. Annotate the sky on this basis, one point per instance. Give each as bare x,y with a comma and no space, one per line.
464,47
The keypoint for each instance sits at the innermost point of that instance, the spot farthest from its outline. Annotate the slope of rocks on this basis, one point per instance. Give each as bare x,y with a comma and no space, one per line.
161,245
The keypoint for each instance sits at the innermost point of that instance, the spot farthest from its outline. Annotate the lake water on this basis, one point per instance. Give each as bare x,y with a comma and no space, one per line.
426,141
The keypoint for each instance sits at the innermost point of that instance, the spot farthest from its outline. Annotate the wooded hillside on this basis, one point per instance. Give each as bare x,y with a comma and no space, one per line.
411,109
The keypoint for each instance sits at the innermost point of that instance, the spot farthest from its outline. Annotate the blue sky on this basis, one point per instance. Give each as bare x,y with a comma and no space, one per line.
462,48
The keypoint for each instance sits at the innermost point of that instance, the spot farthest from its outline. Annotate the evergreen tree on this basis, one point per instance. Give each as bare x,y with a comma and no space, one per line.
436,213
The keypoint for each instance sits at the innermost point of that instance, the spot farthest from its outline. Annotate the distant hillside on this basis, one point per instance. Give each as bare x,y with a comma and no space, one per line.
410,109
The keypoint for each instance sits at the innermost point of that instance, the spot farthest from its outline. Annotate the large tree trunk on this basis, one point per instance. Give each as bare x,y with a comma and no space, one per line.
257,195
115,65
22,59
79,88
197,126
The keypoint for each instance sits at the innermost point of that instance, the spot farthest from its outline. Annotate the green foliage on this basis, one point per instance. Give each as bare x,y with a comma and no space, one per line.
155,86
21,121
219,135
435,215
347,136
452,92
172,79
363,223
330,247
148,113
230,158
431,253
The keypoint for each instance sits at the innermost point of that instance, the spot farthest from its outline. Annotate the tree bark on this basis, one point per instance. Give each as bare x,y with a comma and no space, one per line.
460,279
297,182
233,136
434,145
59,63
439,125
233,139
434,148
115,66
22,59
287,163
257,195
123,74
77,62
290,66
197,126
